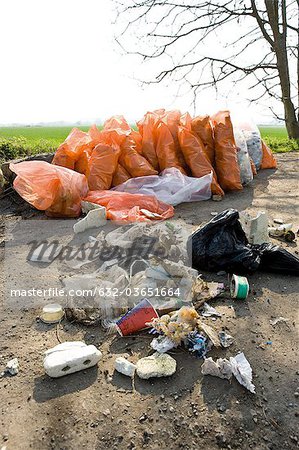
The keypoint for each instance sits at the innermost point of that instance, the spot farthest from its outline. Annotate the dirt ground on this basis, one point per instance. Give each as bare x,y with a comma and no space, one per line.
99,409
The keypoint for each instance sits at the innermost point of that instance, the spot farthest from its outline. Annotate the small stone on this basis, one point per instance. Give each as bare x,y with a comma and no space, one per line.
12,367
106,412
143,418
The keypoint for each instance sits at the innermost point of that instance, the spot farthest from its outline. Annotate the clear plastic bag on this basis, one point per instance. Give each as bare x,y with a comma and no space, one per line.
243,156
171,187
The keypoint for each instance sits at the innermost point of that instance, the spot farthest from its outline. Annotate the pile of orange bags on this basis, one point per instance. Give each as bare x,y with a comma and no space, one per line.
104,159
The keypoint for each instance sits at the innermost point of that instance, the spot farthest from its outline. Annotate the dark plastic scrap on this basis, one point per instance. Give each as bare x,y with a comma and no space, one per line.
221,244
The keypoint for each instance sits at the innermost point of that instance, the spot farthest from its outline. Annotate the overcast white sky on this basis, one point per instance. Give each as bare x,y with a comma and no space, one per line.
60,62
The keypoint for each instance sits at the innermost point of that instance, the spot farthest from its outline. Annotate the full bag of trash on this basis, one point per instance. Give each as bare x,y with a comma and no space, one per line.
227,167
146,128
201,125
56,190
243,157
166,150
70,151
268,160
194,154
253,141
134,163
277,259
171,187
222,245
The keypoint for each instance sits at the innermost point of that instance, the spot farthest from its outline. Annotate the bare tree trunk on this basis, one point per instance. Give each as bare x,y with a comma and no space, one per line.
280,49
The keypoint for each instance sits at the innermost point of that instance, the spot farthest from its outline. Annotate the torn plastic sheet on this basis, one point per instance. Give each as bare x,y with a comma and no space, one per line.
277,320
162,344
222,368
171,187
242,371
209,311
226,340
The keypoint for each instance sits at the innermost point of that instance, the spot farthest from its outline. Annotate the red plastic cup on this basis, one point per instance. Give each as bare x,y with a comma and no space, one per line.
136,319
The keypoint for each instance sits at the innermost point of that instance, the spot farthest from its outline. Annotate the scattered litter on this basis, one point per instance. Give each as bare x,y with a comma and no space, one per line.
242,371
290,236
255,227
137,318
198,344
122,365
239,287
281,230
52,313
222,368
95,218
209,311
225,339
278,320
162,344
12,367
156,365
203,291
211,333
70,357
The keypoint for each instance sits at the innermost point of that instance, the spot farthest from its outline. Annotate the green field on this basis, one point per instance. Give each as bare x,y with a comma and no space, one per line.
22,141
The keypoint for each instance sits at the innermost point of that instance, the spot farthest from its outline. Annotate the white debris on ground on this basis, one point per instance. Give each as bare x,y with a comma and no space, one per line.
222,368
95,218
156,365
12,367
70,357
125,367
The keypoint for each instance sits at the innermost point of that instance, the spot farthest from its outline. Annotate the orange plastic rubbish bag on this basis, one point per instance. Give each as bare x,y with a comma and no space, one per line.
71,149
117,122
132,161
95,135
201,125
165,148
146,128
138,140
102,166
172,120
193,151
227,167
125,207
82,164
268,160
120,176
56,190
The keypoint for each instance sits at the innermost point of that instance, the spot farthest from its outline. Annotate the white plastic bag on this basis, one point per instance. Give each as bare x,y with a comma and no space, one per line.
243,156
171,187
243,121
